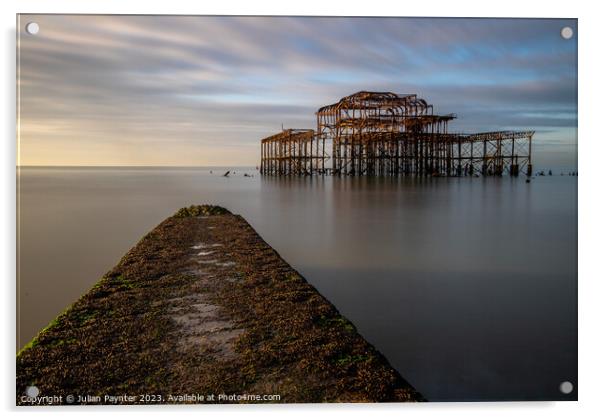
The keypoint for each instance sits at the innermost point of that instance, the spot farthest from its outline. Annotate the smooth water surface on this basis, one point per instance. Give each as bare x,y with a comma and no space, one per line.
467,285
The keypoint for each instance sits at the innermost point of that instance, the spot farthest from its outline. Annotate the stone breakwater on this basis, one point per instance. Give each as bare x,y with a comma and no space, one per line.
202,310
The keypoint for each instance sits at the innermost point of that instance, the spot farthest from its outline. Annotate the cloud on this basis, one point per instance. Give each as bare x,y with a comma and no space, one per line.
203,90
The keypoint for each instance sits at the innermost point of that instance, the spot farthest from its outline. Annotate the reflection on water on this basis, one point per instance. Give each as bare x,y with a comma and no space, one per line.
467,286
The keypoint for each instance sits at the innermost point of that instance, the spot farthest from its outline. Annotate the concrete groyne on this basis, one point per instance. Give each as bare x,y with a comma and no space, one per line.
202,310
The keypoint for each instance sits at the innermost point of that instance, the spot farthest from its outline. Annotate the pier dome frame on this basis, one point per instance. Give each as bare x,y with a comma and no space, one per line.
385,133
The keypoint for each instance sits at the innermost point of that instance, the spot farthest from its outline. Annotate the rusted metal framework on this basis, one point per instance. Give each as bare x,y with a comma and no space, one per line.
293,152
383,133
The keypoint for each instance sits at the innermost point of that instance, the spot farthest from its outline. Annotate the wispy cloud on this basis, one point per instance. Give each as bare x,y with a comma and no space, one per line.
203,90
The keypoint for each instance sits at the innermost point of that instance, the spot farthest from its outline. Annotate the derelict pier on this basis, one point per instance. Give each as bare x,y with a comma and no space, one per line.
384,133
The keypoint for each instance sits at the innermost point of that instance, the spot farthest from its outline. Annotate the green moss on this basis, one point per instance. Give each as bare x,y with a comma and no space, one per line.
203,210
122,282
81,317
85,316
36,340
33,343
63,342
349,359
337,321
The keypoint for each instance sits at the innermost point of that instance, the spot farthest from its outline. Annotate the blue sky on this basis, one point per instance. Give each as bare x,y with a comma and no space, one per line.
166,90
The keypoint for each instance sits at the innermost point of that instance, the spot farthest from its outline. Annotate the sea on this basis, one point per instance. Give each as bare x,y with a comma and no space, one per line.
468,286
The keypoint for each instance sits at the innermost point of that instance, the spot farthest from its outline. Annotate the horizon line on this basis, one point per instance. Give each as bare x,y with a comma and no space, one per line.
136,166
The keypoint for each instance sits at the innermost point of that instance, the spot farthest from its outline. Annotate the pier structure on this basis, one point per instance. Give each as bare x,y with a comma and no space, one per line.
384,133
293,151
171,319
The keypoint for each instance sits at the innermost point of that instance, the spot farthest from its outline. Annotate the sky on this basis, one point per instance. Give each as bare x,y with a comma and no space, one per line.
195,91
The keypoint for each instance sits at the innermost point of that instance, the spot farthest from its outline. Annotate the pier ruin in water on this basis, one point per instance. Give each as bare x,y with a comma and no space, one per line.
384,133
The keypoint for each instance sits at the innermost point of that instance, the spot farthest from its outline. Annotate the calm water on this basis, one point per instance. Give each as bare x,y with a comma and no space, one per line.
468,286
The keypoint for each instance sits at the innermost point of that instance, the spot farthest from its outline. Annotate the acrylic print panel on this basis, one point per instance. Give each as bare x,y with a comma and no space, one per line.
296,209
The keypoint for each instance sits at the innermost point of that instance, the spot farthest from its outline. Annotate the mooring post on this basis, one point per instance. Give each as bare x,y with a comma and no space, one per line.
529,165
484,169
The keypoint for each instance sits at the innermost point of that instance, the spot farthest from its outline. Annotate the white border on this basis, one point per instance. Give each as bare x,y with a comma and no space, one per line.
589,193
